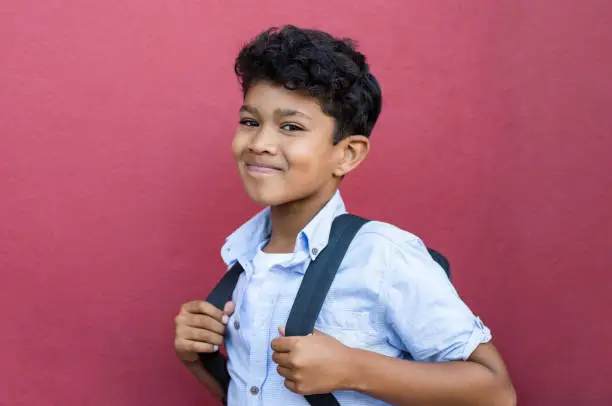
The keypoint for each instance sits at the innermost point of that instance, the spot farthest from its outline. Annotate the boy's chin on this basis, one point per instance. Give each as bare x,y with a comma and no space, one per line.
268,198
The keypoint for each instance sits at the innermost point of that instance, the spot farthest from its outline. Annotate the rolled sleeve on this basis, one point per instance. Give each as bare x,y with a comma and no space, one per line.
427,317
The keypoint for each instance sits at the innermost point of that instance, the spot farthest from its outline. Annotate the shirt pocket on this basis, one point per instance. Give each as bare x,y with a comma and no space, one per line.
352,328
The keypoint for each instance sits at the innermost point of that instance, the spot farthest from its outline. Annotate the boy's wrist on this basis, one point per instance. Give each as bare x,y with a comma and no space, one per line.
353,369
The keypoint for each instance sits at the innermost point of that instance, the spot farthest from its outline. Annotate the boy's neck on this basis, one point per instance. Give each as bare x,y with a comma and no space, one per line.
288,219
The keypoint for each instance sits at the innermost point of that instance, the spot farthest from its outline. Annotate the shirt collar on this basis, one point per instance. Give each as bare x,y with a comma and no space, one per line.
243,243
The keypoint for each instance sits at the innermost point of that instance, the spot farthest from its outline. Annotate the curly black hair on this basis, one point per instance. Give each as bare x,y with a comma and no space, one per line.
314,62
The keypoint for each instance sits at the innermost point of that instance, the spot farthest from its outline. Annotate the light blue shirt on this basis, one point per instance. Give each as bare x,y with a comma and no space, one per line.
389,296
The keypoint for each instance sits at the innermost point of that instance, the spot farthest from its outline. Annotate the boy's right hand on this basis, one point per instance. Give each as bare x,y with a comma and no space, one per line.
200,327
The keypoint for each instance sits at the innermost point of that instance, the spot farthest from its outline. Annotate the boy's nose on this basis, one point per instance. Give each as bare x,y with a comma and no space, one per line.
264,142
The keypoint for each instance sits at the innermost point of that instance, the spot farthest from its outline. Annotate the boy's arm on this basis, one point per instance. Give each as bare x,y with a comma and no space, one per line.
481,380
454,361
318,363
200,327
206,379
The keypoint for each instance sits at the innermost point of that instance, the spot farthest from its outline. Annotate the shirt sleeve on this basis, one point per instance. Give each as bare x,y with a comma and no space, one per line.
427,317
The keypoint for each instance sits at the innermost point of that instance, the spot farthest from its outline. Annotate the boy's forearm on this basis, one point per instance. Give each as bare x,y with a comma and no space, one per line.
402,382
206,379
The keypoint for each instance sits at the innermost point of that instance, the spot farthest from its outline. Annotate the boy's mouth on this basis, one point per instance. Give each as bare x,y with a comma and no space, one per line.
262,169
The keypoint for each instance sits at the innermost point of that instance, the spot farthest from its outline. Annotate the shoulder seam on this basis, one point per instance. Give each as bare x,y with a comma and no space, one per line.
410,237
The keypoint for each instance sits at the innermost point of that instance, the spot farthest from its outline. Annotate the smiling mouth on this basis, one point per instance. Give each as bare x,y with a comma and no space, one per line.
261,169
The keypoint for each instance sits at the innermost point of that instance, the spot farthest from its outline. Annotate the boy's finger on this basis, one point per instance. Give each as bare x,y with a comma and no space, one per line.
196,346
229,308
283,344
211,310
204,336
281,330
282,359
202,307
204,322
284,372
291,385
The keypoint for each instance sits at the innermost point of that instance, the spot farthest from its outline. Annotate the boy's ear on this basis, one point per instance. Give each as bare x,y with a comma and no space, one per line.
351,152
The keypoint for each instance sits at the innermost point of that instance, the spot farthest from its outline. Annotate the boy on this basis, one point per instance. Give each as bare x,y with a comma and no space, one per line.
310,104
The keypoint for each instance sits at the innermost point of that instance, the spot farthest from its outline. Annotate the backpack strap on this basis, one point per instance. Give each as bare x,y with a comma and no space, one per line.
441,260
215,362
308,302
316,284
320,275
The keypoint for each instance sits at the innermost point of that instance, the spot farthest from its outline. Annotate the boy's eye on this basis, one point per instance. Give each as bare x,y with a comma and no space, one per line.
248,122
291,127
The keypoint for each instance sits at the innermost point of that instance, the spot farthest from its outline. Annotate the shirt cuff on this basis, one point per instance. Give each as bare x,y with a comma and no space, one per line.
480,335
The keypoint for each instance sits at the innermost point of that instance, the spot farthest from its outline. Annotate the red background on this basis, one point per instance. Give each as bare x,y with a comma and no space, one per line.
118,188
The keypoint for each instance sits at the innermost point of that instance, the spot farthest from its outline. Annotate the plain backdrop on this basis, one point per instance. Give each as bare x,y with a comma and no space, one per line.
118,188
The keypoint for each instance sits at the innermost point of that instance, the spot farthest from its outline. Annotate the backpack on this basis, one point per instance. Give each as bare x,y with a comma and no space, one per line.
308,301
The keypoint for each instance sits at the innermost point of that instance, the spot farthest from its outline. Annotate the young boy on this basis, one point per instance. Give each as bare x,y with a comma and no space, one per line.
310,104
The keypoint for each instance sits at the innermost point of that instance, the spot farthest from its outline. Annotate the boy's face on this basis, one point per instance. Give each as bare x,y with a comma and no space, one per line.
283,146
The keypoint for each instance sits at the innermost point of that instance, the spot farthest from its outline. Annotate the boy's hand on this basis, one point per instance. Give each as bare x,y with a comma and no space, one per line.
199,327
313,364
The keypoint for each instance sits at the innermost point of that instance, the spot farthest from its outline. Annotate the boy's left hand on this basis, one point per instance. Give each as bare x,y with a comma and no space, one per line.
312,364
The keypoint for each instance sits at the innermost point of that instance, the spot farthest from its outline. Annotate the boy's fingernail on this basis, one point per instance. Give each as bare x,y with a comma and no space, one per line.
215,348
224,319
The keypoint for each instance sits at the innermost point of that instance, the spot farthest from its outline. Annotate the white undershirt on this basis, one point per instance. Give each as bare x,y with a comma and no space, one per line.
261,265
263,261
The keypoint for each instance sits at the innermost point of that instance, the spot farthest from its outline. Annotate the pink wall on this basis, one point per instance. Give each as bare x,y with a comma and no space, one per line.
118,188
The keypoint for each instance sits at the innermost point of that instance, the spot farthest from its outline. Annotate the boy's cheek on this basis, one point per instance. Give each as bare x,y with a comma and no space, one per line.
238,145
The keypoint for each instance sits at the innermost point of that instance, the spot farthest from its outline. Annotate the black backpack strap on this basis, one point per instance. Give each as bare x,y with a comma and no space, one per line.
316,284
441,260
215,362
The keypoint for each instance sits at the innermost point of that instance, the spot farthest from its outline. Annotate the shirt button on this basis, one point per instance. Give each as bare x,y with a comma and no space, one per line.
315,251
236,324
254,390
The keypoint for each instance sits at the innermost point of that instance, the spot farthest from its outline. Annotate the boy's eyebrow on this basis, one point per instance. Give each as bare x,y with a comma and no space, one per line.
249,109
291,112
278,112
